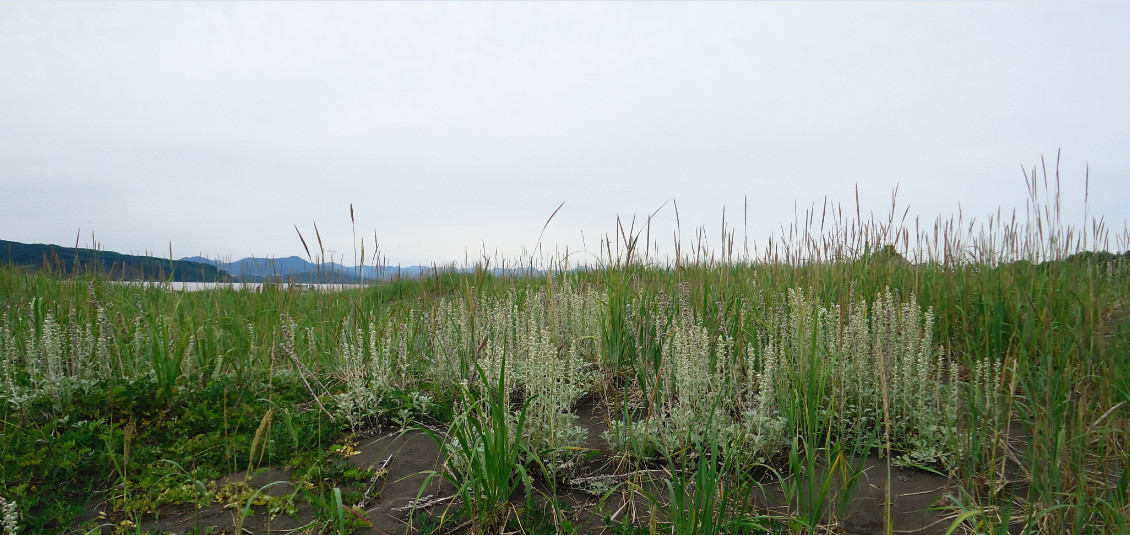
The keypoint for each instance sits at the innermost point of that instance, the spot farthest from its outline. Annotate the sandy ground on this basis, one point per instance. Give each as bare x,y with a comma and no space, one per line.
409,456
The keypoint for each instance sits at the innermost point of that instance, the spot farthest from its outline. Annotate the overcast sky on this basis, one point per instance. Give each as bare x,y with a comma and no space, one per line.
458,128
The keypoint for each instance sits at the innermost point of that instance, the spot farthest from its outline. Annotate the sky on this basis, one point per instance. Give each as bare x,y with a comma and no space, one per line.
455,130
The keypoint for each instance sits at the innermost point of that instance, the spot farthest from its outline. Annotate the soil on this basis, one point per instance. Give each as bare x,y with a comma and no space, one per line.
408,456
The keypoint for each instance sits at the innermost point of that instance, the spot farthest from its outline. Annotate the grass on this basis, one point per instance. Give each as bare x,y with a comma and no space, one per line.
486,450
996,356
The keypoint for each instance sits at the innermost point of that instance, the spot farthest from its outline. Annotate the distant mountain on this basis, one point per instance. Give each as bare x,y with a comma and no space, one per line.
69,260
262,267
296,269
200,269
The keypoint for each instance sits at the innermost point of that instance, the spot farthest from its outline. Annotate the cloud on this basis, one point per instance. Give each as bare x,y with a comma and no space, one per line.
220,126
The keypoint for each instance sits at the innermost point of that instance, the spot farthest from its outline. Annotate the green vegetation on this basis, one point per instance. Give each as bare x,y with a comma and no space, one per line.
998,360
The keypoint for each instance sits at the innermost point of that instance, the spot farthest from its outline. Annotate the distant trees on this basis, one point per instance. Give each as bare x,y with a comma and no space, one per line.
72,260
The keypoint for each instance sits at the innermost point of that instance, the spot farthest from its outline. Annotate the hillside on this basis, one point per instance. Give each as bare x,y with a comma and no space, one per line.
69,260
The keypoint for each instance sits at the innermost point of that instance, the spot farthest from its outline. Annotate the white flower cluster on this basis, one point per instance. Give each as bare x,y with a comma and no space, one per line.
549,339
43,358
985,384
762,429
888,340
11,518
553,380
692,380
10,363
360,399
373,363
808,354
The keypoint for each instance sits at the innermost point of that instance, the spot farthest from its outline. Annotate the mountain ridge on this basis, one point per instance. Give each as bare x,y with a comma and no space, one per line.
297,269
118,266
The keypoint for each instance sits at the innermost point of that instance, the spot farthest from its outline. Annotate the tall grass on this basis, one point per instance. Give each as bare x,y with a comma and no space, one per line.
992,352
486,451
